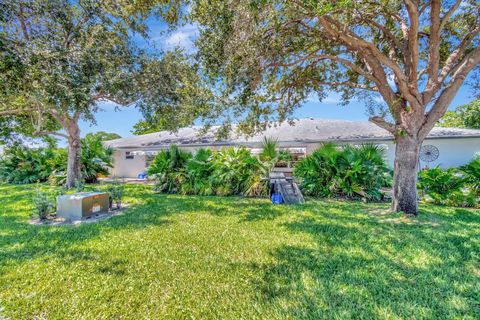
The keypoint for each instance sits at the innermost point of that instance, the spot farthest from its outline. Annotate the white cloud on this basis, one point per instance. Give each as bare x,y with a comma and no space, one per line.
184,37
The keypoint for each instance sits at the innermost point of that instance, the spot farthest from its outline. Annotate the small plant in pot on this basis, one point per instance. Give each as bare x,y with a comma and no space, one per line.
115,192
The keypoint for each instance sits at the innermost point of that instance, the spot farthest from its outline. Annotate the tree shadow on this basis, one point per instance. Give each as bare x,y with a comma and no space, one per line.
363,267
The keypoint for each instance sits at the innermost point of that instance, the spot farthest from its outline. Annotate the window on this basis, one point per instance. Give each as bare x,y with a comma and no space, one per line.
129,155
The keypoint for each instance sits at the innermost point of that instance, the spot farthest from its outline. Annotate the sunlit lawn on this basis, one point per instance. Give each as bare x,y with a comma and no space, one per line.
185,257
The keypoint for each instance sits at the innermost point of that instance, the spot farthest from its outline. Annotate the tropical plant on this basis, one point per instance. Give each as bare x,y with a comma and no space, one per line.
236,171
20,164
471,173
269,149
450,186
199,171
271,155
352,171
96,158
168,169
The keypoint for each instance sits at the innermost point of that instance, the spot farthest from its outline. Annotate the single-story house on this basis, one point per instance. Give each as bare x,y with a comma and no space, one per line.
449,146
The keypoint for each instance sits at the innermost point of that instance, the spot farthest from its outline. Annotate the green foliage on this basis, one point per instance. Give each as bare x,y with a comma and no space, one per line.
199,170
269,149
466,116
230,171
96,158
332,171
20,164
471,173
43,205
104,136
116,191
173,94
273,157
168,169
236,171
452,186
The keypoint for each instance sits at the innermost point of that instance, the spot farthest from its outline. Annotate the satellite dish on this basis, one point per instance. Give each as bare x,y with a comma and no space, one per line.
429,153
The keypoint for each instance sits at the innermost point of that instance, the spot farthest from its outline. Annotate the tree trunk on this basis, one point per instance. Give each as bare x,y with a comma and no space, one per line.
74,170
405,175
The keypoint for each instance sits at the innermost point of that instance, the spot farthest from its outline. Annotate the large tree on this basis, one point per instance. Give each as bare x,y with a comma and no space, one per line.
270,56
65,57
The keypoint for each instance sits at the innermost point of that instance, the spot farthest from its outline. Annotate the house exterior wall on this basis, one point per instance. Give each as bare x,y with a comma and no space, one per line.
127,168
453,152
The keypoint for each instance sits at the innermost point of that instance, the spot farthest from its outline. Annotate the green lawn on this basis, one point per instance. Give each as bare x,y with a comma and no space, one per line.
188,257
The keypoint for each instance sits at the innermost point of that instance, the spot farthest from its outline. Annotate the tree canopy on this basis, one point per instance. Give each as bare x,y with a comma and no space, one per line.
466,116
61,58
267,57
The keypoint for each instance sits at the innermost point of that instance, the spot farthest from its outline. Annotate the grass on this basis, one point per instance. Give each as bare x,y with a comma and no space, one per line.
186,257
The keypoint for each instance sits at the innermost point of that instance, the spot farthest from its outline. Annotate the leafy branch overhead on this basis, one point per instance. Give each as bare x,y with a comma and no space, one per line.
415,54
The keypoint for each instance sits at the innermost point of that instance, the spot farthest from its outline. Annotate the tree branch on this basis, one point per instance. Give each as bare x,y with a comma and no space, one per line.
434,44
379,121
449,13
16,111
438,109
450,65
46,133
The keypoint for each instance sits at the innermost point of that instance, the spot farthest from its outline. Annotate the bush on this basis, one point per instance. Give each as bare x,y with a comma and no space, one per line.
116,191
471,172
168,169
333,171
20,164
237,172
42,204
231,171
458,187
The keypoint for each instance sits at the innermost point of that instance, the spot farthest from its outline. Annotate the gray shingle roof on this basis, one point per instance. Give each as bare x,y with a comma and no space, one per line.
303,130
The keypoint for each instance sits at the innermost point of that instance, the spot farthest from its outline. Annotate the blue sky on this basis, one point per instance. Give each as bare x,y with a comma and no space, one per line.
122,121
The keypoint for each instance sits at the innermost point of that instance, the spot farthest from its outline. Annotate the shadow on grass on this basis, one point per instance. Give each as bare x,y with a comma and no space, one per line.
365,266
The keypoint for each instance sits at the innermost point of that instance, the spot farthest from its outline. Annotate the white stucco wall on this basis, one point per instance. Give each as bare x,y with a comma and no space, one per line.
127,168
453,152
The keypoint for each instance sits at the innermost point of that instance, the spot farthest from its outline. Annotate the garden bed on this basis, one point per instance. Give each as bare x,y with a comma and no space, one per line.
53,220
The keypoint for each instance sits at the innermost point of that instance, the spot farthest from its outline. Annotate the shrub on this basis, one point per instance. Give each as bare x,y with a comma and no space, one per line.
332,171
199,170
472,173
452,186
116,191
273,157
231,171
20,164
168,169
438,182
42,204
237,172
